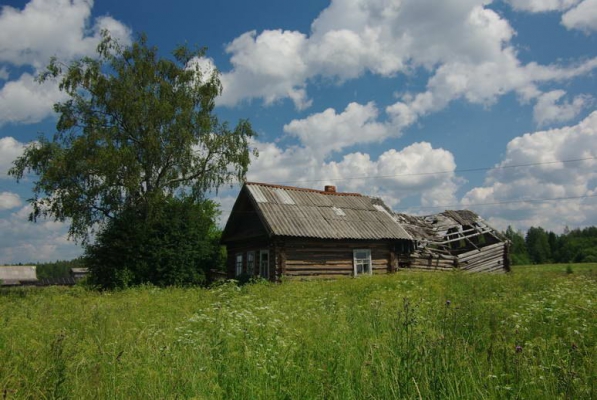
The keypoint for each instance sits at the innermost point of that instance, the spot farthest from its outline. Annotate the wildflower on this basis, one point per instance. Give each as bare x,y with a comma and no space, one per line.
519,349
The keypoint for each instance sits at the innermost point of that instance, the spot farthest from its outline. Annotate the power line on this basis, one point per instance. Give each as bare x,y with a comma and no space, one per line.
501,202
448,206
440,172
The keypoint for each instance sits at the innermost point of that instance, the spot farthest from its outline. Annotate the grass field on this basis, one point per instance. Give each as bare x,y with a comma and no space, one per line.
530,334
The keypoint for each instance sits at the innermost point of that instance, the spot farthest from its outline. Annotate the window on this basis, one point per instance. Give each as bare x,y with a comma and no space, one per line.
239,264
264,264
362,261
251,263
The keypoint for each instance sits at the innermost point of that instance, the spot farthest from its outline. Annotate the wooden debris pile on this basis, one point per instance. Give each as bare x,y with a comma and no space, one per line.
454,239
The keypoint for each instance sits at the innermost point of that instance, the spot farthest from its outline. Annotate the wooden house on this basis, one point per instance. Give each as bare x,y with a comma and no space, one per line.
18,275
455,239
276,231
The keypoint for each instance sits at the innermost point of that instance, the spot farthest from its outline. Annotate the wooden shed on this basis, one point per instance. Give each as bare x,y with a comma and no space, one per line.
18,275
276,231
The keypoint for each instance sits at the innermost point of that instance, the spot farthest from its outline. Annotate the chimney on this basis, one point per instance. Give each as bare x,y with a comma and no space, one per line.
330,189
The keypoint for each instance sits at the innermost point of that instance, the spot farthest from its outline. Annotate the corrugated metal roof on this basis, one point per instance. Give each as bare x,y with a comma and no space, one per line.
298,212
17,274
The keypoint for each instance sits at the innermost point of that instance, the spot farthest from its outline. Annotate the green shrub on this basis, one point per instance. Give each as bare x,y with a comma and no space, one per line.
173,245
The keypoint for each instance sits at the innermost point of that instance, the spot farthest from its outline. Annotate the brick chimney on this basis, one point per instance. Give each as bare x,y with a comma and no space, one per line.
330,189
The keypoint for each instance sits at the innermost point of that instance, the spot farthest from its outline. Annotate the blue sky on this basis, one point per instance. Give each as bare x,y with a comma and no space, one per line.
479,104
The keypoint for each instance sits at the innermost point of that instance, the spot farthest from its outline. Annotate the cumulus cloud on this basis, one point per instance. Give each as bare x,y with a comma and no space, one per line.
24,241
9,200
577,14
542,5
582,17
484,83
547,110
31,36
511,192
46,28
27,101
328,131
10,149
394,175
465,46
268,66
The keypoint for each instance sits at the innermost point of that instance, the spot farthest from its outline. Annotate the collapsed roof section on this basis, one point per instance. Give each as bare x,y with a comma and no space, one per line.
460,239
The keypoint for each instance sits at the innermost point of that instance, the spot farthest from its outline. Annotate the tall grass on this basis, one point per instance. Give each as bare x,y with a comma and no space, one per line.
530,334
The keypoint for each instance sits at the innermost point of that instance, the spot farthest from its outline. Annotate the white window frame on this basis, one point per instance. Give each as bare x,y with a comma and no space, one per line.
263,270
362,261
238,264
251,263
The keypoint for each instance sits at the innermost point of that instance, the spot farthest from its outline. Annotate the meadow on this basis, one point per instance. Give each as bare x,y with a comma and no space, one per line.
530,334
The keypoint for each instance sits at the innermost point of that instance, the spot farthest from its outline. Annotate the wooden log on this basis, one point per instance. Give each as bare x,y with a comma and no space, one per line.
497,256
317,267
318,272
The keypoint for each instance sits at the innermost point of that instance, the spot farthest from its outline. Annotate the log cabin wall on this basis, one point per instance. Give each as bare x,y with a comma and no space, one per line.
243,248
313,258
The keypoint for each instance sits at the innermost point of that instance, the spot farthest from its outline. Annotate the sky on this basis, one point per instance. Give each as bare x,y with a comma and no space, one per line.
430,105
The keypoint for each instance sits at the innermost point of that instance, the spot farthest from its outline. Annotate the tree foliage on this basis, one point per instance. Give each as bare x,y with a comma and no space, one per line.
135,131
518,249
540,246
178,245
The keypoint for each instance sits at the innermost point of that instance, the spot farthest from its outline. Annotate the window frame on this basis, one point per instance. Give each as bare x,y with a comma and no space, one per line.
251,263
238,264
362,261
263,272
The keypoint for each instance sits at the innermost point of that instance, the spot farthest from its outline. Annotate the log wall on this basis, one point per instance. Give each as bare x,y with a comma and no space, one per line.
492,258
246,246
305,258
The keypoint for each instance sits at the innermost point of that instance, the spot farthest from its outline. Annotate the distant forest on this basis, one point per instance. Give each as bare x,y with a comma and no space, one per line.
539,246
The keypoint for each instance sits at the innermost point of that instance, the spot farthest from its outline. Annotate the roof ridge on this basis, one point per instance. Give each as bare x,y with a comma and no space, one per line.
299,189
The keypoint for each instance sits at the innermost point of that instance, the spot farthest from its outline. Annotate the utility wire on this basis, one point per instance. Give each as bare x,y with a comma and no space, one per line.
500,202
442,172
460,206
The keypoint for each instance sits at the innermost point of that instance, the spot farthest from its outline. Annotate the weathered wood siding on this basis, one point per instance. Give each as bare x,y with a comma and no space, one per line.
492,258
310,258
245,247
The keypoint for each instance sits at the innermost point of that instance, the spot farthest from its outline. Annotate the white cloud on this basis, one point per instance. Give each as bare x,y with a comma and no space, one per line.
394,175
31,36
547,181
578,14
269,66
9,200
27,101
542,5
24,241
328,131
547,110
484,83
46,28
465,46
10,149
204,66
582,17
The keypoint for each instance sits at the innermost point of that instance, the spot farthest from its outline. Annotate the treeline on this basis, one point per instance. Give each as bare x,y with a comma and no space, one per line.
539,246
57,269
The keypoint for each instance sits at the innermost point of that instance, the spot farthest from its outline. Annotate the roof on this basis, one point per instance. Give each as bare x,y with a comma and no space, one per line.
435,228
17,274
297,212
